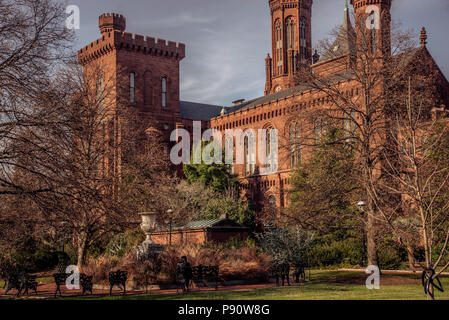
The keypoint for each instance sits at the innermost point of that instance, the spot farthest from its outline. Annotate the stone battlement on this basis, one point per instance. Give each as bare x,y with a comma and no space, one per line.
114,37
111,21
127,41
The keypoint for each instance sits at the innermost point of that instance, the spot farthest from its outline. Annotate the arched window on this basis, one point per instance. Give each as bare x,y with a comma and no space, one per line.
268,142
302,39
272,203
279,46
249,152
229,153
318,129
290,34
132,87
246,152
164,92
295,149
298,148
292,145
373,38
290,25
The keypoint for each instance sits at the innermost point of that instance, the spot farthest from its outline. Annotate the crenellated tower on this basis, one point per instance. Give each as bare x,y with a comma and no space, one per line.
145,69
291,29
141,73
109,22
373,26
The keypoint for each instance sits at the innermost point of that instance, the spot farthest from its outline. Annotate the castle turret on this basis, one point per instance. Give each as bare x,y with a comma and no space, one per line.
373,20
291,28
268,71
109,22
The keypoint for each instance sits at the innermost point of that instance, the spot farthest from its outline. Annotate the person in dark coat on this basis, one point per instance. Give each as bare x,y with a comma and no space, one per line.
187,272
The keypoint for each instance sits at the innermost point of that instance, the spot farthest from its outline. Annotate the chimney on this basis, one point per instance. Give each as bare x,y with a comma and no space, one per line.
238,102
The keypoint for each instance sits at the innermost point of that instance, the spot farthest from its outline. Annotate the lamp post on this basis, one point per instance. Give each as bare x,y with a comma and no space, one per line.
361,205
169,221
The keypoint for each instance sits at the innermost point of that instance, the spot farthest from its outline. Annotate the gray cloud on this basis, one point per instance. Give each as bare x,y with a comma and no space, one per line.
227,41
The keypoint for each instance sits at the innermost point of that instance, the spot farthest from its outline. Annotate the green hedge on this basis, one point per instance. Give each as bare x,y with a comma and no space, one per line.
346,252
40,260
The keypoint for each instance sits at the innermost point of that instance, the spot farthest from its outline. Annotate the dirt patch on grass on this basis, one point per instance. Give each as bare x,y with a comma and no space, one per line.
360,279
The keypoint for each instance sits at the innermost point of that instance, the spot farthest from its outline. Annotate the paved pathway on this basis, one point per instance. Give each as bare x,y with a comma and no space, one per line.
46,291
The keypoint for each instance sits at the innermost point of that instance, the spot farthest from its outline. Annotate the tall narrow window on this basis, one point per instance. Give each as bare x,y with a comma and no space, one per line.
297,147
318,128
353,122
292,145
268,142
272,203
164,92
302,40
246,152
132,87
250,153
279,46
373,37
268,147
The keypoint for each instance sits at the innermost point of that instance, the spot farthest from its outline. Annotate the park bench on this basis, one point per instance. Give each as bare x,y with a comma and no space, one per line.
60,280
21,282
299,273
13,282
6,268
204,275
28,283
86,283
118,278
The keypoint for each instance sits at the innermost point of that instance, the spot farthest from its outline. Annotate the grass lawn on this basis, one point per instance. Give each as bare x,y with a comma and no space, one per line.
325,285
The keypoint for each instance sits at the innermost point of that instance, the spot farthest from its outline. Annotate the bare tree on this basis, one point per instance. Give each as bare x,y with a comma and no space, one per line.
353,94
81,152
419,174
34,41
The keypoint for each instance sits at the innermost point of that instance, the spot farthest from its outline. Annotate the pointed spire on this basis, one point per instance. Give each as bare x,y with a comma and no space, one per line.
223,111
316,57
423,37
345,42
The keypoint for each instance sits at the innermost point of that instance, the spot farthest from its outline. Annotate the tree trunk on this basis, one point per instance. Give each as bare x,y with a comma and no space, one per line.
411,258
81,250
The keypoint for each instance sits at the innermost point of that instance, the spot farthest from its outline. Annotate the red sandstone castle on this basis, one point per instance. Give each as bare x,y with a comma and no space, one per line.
150,68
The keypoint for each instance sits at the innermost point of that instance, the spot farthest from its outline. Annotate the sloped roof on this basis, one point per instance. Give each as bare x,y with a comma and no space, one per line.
285,93
211,223
199,111
345,42
264,99
220,222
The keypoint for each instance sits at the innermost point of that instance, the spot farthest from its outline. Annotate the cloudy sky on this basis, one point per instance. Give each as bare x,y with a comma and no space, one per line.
227,40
